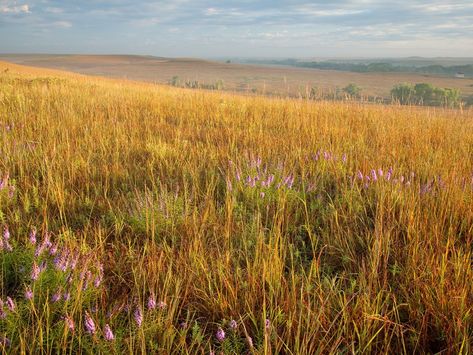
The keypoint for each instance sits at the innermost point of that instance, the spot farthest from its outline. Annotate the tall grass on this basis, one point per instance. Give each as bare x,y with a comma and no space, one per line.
229,224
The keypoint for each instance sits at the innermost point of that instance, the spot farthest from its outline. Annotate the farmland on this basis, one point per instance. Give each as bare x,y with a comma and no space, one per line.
142,218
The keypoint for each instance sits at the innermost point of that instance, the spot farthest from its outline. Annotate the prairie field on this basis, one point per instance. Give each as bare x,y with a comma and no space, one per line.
271,80
139,218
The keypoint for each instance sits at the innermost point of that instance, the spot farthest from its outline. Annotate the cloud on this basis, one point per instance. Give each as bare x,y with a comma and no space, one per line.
62,24
15,9
54,10
248,27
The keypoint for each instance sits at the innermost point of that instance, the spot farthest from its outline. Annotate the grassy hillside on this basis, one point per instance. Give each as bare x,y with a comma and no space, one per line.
281,81
190,222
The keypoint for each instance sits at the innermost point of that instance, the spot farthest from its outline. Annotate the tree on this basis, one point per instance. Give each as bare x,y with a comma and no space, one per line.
452,97
403,93
219,85
352,90
314,93
424,93
175,81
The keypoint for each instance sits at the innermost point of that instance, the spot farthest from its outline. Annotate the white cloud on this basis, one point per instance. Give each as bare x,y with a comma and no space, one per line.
212,11
15,9
54,10
62,24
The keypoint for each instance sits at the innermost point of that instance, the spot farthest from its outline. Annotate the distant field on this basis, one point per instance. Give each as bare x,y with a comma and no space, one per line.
237,77
140,218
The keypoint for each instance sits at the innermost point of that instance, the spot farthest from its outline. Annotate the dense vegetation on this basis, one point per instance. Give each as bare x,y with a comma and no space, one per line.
375,67
139,218
425,94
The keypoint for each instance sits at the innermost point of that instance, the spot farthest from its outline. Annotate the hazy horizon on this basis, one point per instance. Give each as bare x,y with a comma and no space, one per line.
246,29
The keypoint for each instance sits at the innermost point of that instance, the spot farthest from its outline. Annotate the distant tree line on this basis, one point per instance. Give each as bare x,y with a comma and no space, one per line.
405,94
376,67
426,94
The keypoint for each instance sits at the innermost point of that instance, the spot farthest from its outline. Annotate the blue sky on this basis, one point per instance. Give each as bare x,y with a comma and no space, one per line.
268,28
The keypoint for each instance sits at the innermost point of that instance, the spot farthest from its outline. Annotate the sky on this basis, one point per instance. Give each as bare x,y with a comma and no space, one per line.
268,28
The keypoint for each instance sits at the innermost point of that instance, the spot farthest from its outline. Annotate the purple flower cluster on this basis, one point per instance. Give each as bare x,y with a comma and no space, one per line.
379,175
107,333
329,156
220,334
5,240
10,307
89,324
259,177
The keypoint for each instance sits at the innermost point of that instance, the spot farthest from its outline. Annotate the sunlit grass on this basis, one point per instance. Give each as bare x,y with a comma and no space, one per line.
229,223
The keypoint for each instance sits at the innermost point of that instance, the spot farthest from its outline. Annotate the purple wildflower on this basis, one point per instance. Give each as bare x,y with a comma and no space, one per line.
39,250
56,297
60,261
151,302
138,316
73,262
6,234
47,241
374,175
97,281
289,181
66,296
32,237
233,324
220,334
108,334
35,271
28,293
53,249
267,323
183,325
11,304
89,324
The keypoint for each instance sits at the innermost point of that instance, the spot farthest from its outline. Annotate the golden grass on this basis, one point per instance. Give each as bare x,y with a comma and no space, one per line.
144,179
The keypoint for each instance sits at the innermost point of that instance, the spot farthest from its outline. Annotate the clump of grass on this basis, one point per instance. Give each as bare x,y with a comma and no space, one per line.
177,221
